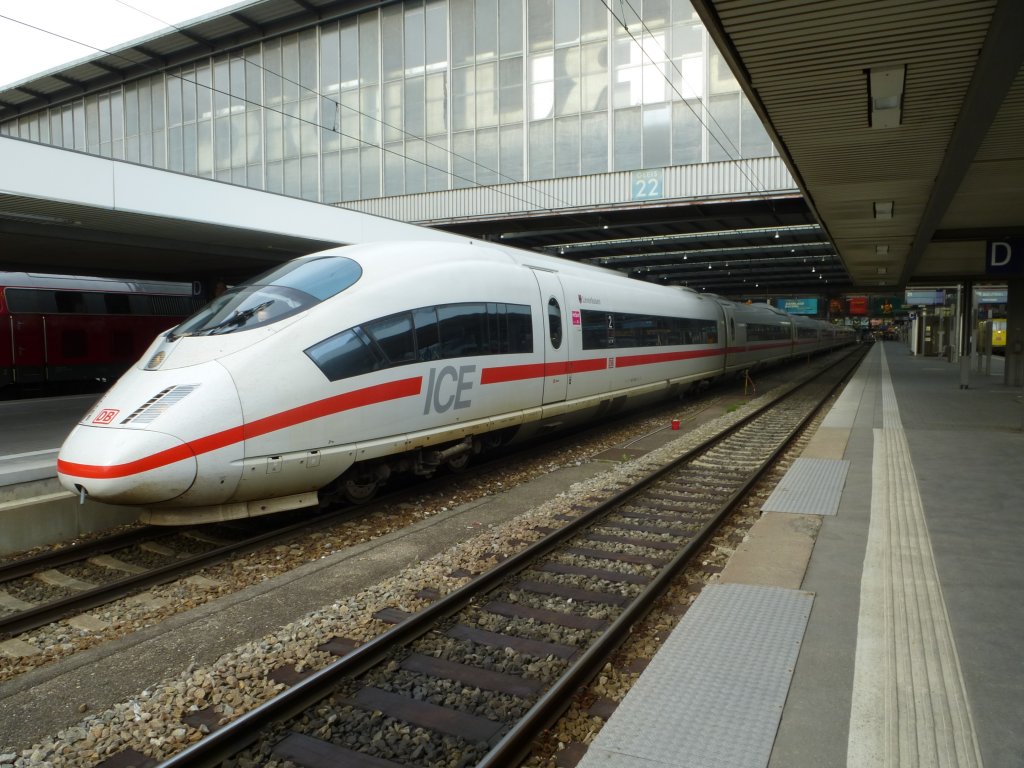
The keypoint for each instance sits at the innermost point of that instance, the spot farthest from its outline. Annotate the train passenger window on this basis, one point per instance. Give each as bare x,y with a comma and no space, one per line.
631,330
71,302
519,329
426,334
496,331
394,336
595,329
767,332
343,355
116,303
623,330
24,300
463,329
428,343
555,323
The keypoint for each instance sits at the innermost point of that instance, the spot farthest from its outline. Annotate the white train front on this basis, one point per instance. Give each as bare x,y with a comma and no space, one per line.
324,376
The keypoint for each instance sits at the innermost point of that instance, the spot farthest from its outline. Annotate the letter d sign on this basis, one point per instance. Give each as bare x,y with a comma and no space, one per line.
1004,257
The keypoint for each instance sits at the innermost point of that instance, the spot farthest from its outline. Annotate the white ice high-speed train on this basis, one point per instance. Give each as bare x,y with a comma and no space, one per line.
327,374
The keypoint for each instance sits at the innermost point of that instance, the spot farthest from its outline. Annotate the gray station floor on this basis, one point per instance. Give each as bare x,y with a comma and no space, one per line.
874,616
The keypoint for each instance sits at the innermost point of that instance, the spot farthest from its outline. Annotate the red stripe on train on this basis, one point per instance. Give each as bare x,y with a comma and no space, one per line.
381,393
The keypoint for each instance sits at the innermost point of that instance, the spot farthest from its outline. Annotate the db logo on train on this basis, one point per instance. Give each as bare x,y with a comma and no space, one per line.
106,416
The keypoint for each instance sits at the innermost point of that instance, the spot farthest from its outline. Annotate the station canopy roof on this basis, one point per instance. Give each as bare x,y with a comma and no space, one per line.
899,121
903,123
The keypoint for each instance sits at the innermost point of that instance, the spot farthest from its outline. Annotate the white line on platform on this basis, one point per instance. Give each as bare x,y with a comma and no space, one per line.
30,453
909,701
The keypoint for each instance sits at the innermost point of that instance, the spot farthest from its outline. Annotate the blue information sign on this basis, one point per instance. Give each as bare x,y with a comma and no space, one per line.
798,306
918,296
648,185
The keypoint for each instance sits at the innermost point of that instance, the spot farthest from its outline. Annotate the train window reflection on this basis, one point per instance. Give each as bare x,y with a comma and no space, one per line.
344,355
428,343
320,278
394,336
242,308
274,295
621,330
463,329
433,333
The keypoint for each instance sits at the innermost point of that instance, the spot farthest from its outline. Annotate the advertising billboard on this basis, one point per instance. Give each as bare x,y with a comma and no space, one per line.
858,305
798,306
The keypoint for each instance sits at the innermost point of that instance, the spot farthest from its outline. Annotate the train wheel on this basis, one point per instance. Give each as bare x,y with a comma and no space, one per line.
460,462
358,493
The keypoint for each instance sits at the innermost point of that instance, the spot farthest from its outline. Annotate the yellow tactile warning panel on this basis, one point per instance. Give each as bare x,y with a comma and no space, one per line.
810,487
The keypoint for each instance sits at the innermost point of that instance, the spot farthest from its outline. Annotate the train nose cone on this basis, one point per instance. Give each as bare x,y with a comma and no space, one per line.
125,466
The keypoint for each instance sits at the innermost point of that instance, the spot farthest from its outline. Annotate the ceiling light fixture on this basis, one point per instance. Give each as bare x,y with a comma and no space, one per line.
883,209
885,96
881,250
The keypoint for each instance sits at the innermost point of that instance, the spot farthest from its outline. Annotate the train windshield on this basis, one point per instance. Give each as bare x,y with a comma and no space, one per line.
274,295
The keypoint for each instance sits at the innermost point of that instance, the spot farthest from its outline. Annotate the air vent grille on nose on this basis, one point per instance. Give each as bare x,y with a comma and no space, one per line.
159,404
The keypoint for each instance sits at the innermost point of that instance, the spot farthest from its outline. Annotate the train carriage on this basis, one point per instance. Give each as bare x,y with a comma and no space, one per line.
63,329
334,371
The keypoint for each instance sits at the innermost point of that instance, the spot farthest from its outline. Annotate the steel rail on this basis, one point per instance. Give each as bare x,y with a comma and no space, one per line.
46,613
25,566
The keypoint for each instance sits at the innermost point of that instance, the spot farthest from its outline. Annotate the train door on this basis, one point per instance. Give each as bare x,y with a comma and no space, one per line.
6,347
728,335
28,339
555,338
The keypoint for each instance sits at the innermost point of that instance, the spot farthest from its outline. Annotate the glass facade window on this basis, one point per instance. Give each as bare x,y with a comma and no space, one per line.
429,95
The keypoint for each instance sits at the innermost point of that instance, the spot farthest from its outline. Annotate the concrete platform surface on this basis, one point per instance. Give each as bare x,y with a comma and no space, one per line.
913,653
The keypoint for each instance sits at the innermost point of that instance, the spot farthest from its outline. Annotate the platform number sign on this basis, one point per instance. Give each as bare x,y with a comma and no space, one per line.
1005,257
648,185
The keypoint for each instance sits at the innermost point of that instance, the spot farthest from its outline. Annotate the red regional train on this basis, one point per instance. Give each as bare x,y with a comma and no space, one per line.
65,330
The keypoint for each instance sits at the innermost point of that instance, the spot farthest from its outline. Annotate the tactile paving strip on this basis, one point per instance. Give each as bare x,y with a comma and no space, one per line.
810,487
713,695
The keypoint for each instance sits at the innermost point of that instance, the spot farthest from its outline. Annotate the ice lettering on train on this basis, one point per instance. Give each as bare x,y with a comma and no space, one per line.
441,396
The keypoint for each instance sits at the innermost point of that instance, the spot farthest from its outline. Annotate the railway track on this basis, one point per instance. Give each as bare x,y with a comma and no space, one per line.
473,678
40,590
